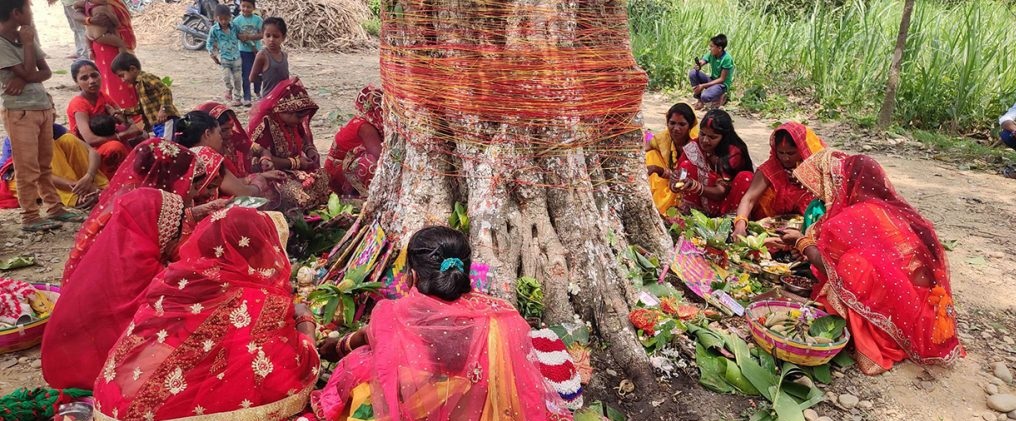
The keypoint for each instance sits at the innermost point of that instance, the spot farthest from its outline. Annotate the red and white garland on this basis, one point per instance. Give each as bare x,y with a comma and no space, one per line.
557,366
14,300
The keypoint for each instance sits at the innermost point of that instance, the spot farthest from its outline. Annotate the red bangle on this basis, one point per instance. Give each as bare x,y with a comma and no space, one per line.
305,318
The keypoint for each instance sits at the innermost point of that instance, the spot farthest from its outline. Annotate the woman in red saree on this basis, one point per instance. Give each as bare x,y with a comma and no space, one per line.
717,169
774,190
212,166
280,129
880,264
216,336
236,143
91,102
440,353
352,160
122,93
200,131
155,163
97,302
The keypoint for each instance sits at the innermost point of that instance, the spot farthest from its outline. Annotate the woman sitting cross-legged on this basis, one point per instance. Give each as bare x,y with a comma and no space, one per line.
774,190
203,134
104,287
664,151
880,264
76,172
717,167
217,336
280,128
442,352
91,102
352,159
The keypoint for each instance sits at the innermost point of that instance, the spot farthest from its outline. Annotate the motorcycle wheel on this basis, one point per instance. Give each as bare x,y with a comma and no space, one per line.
190,41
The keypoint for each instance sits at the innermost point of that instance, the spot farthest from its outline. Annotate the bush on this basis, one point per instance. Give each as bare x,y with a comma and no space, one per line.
957,70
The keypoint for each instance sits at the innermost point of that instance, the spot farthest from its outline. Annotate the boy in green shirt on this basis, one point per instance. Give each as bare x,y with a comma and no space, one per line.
712,88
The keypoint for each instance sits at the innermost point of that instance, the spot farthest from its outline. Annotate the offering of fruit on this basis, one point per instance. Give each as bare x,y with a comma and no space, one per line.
802,326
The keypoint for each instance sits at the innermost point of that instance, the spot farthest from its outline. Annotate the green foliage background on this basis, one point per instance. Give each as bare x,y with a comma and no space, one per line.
957,72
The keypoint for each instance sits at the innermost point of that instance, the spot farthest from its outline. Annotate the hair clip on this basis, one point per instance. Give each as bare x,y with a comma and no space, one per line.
452,262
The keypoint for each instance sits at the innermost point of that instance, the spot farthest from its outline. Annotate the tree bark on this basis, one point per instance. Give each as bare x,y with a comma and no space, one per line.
885,114
557,198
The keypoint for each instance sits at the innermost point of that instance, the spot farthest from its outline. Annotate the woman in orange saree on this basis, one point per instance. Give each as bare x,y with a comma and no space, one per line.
774,190
880,264
442,352
122,93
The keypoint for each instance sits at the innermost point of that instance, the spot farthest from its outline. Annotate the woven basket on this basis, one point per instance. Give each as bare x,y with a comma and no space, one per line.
28,335
787,349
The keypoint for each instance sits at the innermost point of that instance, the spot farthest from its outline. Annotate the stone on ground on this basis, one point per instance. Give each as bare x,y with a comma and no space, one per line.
1002,372
849,401
1002,402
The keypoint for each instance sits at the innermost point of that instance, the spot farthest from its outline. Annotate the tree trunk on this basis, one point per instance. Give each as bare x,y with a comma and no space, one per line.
885,114
554,185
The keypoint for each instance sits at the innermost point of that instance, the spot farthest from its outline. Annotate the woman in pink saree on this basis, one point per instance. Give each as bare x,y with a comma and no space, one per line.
440,353
217,336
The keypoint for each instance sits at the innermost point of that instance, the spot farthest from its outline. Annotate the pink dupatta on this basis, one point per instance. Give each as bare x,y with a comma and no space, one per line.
430,359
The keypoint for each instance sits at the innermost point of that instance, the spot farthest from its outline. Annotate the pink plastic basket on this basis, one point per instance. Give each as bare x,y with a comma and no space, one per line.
28,335
787,349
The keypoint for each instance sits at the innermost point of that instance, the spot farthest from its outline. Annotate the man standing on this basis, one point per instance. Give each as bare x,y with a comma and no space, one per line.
81,46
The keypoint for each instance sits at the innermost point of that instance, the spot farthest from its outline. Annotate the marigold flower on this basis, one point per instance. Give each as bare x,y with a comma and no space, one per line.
644,319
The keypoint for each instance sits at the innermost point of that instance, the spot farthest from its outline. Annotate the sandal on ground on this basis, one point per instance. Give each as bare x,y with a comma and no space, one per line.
69,216
41,226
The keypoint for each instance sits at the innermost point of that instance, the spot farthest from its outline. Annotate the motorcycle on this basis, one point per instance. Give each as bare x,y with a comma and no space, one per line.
198,20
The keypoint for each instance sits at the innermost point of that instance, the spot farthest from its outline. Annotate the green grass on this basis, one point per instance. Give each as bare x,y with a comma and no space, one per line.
958,71
964,150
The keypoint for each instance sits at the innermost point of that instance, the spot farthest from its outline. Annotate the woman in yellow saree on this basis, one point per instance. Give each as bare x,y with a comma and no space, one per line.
663,152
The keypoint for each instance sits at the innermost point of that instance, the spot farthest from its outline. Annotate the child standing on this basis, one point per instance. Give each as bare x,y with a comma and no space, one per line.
249,26
223,37
103,34
155,99
271,64
712,88
28,118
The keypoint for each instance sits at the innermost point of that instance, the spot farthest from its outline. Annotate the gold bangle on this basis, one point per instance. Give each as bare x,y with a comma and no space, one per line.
740,218
803,243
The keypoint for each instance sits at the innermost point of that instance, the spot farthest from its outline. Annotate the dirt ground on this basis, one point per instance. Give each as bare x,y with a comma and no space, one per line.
974,208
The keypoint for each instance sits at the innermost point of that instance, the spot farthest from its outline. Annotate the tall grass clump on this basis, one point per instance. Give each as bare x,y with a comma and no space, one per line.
957,70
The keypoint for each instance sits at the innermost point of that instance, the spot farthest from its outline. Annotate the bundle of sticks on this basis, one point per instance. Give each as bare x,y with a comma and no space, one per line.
331,25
